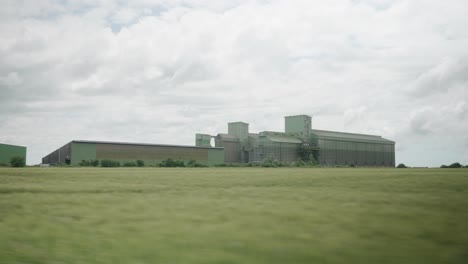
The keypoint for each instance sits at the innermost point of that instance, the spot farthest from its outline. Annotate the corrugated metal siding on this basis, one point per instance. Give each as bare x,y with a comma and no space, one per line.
265,148
59,156
338,152
142,152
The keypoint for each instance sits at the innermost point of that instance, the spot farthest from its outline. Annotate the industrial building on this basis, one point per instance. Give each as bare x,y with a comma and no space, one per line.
9,151
300,141
75,151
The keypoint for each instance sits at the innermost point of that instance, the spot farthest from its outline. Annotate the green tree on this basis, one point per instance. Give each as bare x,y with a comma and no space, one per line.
455,165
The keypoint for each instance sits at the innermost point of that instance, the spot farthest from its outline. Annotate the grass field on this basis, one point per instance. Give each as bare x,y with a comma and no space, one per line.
233,215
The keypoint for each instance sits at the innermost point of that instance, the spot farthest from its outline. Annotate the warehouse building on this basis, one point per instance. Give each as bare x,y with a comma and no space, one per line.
300,141
9,151
76,151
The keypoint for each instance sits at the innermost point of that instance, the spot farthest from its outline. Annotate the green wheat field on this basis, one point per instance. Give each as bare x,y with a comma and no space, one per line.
233,215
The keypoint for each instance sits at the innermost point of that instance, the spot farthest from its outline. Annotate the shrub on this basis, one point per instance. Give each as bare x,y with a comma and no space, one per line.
195,164
129,164
17,161
299,163
3,164
87,163
270,162
110,163
455,165
170,163
444,166
84,163
401,166
140,163
312,161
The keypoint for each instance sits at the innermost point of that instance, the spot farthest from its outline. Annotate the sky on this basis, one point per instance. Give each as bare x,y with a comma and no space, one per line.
160,71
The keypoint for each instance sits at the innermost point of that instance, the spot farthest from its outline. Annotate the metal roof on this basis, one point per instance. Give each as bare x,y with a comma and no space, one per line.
350,136
12,145
298,116
141,144
253,135
283,139
280,137
228,137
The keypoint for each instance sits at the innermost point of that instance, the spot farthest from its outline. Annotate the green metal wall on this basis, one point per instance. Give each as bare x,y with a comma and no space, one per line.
8,151
239,130
202,140
215,157
300,125
342,152
82,151
263,148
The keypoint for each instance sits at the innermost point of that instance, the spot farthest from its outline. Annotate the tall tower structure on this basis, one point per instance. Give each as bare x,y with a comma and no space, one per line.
300,125
239,130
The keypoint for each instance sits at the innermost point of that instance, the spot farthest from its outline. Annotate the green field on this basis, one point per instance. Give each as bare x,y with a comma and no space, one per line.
233,215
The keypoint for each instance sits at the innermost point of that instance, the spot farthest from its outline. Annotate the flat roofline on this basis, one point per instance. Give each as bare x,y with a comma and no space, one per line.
12,145
298,116
238,123
347,133
141,144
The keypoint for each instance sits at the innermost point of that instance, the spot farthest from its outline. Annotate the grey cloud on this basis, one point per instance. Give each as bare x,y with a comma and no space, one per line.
421,122
442,77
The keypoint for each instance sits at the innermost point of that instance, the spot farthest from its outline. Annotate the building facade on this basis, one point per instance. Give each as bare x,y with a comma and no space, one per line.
9,151
300,141
76,151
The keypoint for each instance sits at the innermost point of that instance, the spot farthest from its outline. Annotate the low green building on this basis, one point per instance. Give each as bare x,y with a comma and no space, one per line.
9,151
75,151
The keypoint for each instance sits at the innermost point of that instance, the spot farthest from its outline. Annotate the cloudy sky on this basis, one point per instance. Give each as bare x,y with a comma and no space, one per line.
160,71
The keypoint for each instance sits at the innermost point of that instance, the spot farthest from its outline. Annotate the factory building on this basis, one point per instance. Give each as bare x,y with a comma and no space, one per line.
75,151
9,151
300,141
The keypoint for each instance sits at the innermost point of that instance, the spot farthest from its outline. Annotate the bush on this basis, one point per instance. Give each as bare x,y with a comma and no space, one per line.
444,166
455,165
129,164
87,163
110,163
170,163
299,163
195,164
269,162
17,161
312,161
401,166
140,163
84,163
3,164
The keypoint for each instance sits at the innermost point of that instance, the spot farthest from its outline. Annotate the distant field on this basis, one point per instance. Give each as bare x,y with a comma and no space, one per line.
233,215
